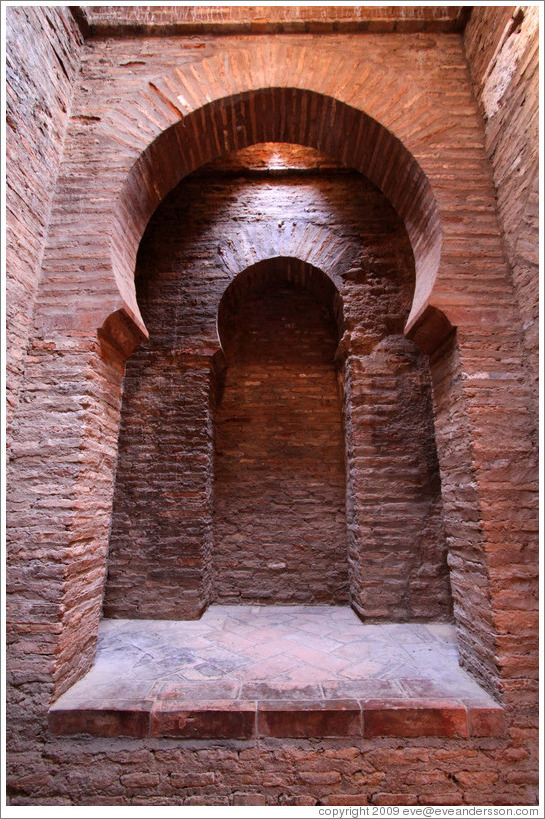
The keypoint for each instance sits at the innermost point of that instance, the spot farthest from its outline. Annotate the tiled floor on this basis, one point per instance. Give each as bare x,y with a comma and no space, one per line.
274,652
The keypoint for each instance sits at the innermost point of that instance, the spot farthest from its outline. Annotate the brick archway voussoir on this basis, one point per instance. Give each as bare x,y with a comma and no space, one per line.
312,244
235,99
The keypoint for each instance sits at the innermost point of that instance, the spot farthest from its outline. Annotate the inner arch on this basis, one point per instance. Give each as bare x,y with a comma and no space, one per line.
278,271
279,475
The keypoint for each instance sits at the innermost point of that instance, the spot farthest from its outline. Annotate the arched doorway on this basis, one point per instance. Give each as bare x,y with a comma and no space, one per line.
279,463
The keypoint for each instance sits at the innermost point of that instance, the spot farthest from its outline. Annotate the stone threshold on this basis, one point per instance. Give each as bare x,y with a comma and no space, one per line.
367,719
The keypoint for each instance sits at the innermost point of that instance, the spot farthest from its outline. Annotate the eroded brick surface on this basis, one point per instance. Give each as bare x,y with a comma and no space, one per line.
279,490
503,50
116,20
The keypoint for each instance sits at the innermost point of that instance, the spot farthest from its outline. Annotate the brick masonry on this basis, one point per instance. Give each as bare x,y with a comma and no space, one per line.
432,771
369,718
120,158
503,51
279,493
274,492
42,61
118,20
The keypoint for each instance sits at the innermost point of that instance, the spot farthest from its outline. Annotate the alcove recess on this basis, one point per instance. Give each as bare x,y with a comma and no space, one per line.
343,502
279,463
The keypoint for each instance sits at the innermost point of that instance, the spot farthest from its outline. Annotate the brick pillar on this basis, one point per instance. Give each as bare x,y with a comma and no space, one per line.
490,498
397,549
59,506
161,526
467,560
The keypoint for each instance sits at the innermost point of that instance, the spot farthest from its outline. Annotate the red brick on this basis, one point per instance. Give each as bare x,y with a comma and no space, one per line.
249,799
486,722
228,720
320,777
394,799
346,799
418,718
441,799
336,718
97,722
140,780
192,779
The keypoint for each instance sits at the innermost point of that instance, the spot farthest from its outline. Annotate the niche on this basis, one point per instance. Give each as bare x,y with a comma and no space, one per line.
279,470
286,468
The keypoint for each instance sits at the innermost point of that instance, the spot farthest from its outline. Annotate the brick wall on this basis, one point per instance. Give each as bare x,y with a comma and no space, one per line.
42,60
502,47
87,771
395,508
421,139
